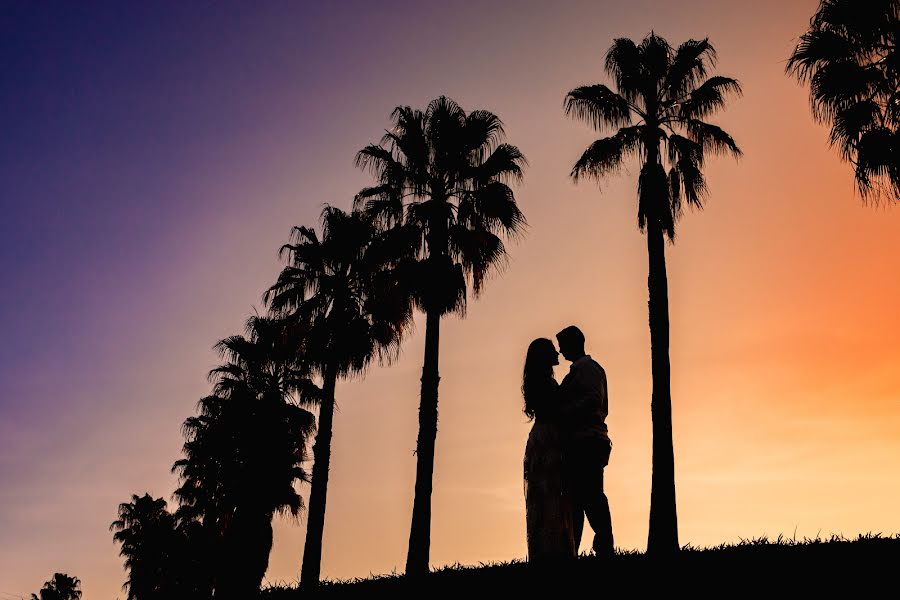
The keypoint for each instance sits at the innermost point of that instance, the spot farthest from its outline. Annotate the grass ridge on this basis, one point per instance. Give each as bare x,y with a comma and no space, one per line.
820,563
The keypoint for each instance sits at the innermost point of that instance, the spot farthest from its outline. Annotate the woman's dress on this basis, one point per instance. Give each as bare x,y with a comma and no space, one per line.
548,511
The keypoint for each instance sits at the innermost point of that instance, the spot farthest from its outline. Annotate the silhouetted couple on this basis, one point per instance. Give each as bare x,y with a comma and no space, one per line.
567,450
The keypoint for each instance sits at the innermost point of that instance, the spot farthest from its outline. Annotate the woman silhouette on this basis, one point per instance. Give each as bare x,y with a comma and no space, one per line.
548,509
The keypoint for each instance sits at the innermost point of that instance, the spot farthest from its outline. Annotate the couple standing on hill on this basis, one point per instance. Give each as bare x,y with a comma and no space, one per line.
567,450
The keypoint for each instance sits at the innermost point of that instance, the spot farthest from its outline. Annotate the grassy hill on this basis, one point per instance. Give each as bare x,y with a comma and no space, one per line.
867,565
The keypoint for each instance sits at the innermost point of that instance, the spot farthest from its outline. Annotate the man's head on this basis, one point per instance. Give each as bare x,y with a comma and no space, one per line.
571,343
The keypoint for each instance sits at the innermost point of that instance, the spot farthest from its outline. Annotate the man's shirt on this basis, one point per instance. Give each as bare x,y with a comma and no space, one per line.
585,399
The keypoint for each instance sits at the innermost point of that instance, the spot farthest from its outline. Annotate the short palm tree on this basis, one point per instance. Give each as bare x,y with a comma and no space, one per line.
342,286
851,59
443,173
149,543
61,587
658,110
245,450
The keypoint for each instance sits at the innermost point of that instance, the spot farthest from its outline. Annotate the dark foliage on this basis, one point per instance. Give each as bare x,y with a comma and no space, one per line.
159,556
851,61
61,587
244,454
663,96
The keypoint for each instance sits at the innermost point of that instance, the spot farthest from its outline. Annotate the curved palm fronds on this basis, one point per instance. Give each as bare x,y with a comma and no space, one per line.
606,155
343,287
598,106
851,61
662,97
689,67
427,167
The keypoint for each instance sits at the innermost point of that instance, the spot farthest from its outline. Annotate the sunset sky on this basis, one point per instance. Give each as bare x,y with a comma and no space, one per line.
154,155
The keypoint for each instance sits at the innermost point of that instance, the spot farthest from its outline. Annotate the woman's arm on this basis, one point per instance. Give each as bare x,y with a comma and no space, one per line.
548,405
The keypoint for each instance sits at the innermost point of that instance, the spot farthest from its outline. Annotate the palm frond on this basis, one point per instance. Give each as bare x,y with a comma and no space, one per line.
430,214
712,138
654,202
492,207
863,22
598,106
817,48
443,107
408,136
851,122
623,64
851,60
656,60
675,198
605,156
692,182
382,204
877,164
709,97
689,67
479,252
505,163
484,132
835,86
376,159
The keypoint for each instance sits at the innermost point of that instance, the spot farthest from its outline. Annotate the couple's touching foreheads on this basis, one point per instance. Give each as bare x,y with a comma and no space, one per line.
567,449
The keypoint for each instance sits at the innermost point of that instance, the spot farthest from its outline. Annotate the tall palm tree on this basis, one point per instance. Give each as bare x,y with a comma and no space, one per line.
61,587
661,100
343,287
850,58
244,451
150,545
443,173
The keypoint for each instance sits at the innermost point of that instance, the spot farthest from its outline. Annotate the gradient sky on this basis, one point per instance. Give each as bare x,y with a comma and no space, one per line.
153,157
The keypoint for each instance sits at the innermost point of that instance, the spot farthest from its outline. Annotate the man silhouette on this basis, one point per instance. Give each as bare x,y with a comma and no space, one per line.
585,405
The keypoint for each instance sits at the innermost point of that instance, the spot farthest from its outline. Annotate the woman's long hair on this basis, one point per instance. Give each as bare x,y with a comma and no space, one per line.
538,368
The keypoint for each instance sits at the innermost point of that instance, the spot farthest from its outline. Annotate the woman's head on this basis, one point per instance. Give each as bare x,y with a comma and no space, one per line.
539,362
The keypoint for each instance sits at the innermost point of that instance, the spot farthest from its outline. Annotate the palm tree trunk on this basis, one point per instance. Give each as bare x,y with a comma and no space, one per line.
417,560
248,543
315,524
663,536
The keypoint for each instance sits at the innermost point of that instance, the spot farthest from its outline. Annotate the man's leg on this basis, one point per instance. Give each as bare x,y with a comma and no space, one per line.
572,475
595,502
577,524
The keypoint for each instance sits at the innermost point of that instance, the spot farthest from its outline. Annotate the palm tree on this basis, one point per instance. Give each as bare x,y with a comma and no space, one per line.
61,587
443,173
850,58
343,288
663,96
150,545
193,556
244,451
